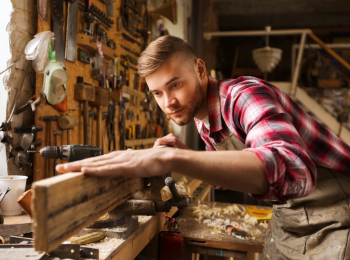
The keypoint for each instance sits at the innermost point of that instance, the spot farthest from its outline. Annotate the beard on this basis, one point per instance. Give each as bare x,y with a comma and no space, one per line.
191,108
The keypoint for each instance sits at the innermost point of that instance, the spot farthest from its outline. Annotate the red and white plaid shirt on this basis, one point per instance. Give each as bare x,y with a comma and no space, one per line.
288,141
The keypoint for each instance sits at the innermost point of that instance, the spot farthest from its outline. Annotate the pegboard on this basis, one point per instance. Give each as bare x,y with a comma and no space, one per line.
75,108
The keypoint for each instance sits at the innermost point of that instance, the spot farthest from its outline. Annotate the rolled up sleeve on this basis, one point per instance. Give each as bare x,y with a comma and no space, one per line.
271,135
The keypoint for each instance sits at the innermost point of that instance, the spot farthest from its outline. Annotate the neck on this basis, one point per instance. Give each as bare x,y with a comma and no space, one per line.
203,111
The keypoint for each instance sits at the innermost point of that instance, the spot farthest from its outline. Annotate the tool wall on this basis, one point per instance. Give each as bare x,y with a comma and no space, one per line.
122,109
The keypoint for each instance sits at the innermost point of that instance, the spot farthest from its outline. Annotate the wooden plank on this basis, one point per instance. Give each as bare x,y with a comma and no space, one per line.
345,135
65,204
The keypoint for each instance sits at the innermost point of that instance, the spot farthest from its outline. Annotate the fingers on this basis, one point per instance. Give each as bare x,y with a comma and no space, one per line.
94,161
169,140
122,169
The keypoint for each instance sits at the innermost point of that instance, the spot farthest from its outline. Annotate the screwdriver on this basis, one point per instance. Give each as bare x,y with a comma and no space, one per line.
69,153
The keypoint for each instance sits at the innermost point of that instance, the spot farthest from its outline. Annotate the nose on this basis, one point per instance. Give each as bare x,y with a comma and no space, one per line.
170,101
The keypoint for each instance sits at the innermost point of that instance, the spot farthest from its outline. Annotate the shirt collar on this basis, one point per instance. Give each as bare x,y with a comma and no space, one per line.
214,111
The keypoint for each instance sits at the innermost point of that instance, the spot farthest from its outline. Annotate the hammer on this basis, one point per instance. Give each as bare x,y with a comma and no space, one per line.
85,94
68,122
101,99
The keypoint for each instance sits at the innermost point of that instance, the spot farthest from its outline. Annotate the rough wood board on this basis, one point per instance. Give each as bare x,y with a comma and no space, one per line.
199,234
65,204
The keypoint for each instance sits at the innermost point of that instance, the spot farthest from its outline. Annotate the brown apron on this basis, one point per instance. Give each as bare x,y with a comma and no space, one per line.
313,227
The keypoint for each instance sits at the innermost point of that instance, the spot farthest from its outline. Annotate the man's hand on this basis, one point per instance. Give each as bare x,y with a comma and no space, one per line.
140,163
172,141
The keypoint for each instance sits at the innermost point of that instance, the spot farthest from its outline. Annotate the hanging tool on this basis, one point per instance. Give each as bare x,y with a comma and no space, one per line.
31,104
28,129
27,142
234,231
56,133
69,153
111,126
68,122
72,29
101,100
85,94
7,140
42,9
88,19
129,39
58,21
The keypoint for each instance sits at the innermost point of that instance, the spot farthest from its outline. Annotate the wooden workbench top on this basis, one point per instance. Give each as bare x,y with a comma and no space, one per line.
199,234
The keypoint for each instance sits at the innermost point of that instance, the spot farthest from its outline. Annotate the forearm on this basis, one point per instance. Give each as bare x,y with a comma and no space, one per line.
237,170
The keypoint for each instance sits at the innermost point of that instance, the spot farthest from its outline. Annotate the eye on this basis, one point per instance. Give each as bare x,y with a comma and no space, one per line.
156,94
176,85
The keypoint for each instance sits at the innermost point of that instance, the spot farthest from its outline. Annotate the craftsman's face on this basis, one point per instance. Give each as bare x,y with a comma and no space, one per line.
177,90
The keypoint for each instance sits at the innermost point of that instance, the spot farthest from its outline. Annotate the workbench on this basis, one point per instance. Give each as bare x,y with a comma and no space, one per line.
148,228
200,239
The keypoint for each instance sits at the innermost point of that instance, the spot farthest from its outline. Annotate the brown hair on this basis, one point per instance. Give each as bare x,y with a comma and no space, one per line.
160,50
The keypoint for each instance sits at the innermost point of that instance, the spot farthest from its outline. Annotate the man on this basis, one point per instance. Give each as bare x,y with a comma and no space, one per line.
267,146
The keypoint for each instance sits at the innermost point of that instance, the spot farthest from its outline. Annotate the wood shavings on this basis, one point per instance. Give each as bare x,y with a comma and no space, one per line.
264,224
166,193
104,217
250,220
216,218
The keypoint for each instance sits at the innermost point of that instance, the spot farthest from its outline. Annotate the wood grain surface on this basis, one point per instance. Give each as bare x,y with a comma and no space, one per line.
65,204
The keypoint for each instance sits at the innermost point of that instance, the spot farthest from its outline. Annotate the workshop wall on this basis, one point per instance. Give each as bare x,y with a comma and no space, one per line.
147,115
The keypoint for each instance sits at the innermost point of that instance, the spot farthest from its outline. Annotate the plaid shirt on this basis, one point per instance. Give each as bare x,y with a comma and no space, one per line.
288,141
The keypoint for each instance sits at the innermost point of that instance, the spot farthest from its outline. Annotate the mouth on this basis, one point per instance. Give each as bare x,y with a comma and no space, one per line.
177,112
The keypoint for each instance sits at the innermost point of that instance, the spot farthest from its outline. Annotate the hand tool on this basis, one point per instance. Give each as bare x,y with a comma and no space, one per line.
56,133
21,160
5,126
68,122
27,142
28,129
69,153
110,8
129,39
72,28
88,18
85,94
7,140
101,99
42,9
83,56
58,21
111,126
234,231
32,103
132,52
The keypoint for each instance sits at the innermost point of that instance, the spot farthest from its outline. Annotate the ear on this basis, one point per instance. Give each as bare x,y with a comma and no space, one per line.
200,64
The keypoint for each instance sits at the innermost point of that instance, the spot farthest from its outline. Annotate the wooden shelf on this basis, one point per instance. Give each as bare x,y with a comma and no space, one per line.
89,43
140,141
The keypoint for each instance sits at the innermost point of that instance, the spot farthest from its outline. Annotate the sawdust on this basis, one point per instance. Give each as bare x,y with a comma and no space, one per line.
214,217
